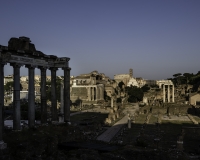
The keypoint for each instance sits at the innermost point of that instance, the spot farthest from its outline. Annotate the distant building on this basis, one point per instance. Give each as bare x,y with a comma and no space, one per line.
194,99
8,78
129,80
150,82
23,95
141,82
122,78
87,88
132,82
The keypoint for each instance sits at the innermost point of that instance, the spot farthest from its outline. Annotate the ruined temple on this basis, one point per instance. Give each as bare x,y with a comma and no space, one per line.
18,53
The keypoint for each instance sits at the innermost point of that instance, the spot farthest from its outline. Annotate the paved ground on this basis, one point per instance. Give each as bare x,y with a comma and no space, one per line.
112,131
177,118
96,109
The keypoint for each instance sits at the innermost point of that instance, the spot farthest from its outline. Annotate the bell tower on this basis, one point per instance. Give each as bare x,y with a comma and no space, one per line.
131,73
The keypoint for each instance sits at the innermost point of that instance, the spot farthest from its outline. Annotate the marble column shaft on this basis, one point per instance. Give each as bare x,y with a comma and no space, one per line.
54,113
172,93
16,97
112,99
67,94
89,94
97,93
168,93
31,96
92,93
43,97
1,100
101,93
102,89
163,93
61,99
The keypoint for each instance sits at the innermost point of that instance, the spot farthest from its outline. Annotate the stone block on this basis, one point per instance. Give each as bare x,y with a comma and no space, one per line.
114,117
111,110
115,109
117,114
108,120
3,145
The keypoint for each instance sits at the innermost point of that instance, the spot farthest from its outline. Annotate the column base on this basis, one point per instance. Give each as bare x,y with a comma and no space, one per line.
61,118
3,145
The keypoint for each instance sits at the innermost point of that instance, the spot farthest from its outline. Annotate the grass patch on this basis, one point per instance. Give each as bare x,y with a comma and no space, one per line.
141,119
176,122
93,116
196,118
153,119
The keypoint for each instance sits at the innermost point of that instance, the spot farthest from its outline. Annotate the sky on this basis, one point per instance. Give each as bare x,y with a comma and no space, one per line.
156,38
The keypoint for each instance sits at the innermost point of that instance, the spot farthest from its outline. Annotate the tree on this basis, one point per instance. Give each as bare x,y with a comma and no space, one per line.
145,88
9,86
135,94
119,100
58,87
106,97
177,78
177,75
121,84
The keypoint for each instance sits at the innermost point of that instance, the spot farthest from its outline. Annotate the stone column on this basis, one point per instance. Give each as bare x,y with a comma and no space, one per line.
101,93
168,93
1,101
172,93
102,89
67,94
89,93
61,99
54,113
92,93
97,93
31,95
163,93
61,114
16,97
112,99
43,96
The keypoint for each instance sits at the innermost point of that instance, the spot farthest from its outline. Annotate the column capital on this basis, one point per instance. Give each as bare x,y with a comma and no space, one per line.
16,65
2,63
53,68
30,66
5,57
68,68
42,67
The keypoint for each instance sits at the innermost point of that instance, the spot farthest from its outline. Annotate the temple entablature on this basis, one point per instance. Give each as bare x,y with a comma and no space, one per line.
21,51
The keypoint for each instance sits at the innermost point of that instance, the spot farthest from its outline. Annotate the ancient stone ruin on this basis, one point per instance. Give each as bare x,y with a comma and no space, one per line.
21,52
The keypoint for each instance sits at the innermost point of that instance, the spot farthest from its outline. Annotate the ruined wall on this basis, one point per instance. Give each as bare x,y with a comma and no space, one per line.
194,98
78,93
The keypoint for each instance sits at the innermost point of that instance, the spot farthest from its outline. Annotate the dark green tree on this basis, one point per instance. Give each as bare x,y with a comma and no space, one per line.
106,97
135,94
121,84
58,87
177,78
145,88
9,86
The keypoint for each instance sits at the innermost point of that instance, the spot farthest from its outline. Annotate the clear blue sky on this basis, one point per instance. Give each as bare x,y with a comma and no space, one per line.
157,38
